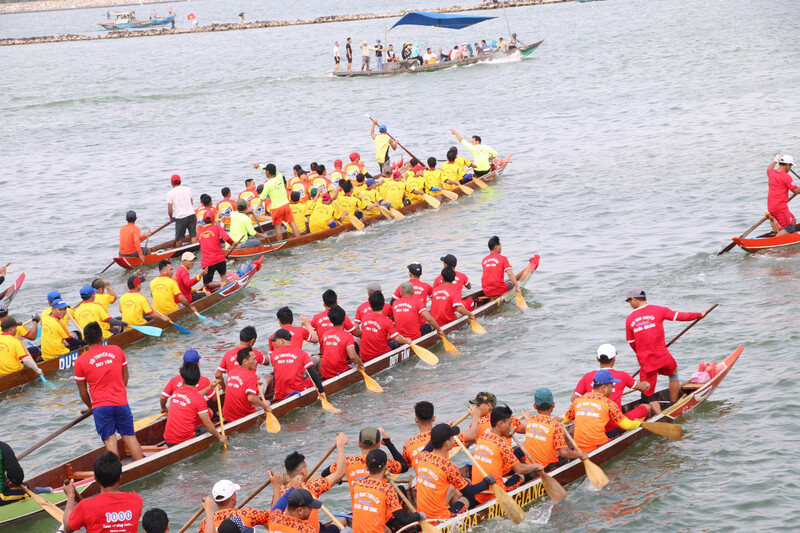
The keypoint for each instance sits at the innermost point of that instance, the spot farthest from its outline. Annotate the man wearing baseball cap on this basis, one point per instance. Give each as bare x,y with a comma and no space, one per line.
13,355
135,307
364,308
593,411
51,296
186,281
607,356
644,329
486,402
180,209
89,311
780,183
383,141
290,366
544,435
241,227
422,290
189,404
354,167
165,291
224,496
130,238
204,386
56,338
461,279
323,214
294,512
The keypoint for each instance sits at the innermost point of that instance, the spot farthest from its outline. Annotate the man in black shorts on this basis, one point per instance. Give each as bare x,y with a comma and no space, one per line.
349,54
213,260
180,207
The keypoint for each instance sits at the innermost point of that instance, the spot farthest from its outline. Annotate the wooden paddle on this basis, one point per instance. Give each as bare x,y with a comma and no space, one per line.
385,212
51,508
194,517
479,182
371,383
350,217
454,451
144,422
665,429
270,422
433,202
330,515
423,524
54,434
596,476
448,346
271,247
551,486
426,355
327,406
449,194
754,226
521,303
477,328
221,420
234,246
507,503
162,226
466,190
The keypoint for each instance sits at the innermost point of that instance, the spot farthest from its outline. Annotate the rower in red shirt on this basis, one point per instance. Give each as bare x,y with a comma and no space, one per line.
607,356
378,334
338,347
213,260
111,510
365,308
320,321
247,339
290,365
205,387
300,335
412,319
644,329
451,261
446,299
780,183
188,410
241,389
185,280
422,290
496,267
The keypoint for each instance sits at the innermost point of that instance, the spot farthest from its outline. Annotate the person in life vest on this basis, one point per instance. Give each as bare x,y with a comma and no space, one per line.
383,141
780,183
226,207
354,167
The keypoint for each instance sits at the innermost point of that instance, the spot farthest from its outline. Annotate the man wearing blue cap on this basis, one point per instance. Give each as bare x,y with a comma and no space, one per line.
89,311
593,411
52,296
204,386
379,54
383,141
56,338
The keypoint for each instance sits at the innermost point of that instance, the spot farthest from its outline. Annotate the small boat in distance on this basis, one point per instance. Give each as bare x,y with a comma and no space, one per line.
126,20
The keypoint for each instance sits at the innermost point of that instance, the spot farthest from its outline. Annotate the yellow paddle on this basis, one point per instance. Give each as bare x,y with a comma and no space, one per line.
479,182
449,194
665,429
423,524
477,328
433,202
426,355
466,190
596,476
326,405
271,422
396,214
448,346
219,412
551,486
371,383
351,217
521,303
507,503
49,507
144,422
385,212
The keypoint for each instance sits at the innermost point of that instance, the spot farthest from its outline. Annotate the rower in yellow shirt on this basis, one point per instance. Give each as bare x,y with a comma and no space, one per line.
370,195
299,207
323,214
135,307
433,177
415,182
105,294
348,201
55,335
393,190
165,291
90,311
452,170
13,355
51,297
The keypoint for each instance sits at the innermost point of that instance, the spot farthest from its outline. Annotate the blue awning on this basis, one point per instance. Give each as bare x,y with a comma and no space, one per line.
442,20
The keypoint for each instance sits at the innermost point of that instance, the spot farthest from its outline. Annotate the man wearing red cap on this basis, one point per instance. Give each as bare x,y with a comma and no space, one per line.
134,306
179,208
337,173
354,167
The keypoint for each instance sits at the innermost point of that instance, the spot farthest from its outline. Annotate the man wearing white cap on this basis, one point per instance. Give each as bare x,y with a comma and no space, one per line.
186,281
780,183
224,495
165,291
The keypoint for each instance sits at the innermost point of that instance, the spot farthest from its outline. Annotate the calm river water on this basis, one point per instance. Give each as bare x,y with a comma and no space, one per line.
640,132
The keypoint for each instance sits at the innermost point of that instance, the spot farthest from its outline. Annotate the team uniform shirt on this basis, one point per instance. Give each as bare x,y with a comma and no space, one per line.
433,179
461,280
280,522
317,487
414,182
408,317
376,332
481,154
350,203
434,477
211,251
53,334
101,368
364,309
544,435
356,469
352,169
164,291
496,455
444,301
241,227
225,209
299,336
130,239
586,384
11,353
185,281
180,198
422,291
321,215
374,197
88,312
203,212
183,416
108,512
298,184
321,183
275,188
134,307
451,171
299,213
333,347
394,191
47,312
336,176
240,383
374,503
780,183
247,195
382,143
485,425
321,323
493,277
104,300
229,360
289,365
258,208
250,517
644,329
176,382
592,412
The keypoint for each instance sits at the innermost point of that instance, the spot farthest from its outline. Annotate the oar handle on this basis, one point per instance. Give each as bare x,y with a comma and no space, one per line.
463,417
469,455
194,517
324,458
234,246
219,409
402,496
53,435
690,326
570,439
254,494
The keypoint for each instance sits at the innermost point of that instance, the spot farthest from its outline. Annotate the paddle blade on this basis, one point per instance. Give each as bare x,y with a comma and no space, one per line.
355,222
426,355
479,182
144,422
448,346
46,383
466,190
272,424
521,303
511,508
397,214
385,212
372,384
326,405
477,328
151,331
671,431
553,488
450,194
433,202
727,249
181,329
596,476
209,320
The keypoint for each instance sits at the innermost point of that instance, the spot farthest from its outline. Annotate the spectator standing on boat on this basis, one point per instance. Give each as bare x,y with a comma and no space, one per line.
241,17
644,329
336,56
94,513
378,55
130,238
391,56
383,141
348,48
179,208
101,374
365,48
780,183
275,189
482,154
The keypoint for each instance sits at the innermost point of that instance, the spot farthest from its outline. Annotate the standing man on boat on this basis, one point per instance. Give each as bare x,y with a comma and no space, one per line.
383,141
336,55
644,329
349,54
179,208
275,188
378,54
482,154
130,238
496,267
213,259
780,183
365,48
101,374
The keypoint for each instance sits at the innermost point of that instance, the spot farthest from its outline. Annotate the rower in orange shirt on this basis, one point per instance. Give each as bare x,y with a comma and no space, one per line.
355,166
226,207
206,210
594,410
424,417
544,435
130,238
496,456
337,173
249,191
321,181
486,402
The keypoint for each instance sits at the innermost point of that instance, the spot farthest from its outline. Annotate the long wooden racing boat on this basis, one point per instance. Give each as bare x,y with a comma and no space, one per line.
8,295
239,280
158,456
692,396
245,253
768,241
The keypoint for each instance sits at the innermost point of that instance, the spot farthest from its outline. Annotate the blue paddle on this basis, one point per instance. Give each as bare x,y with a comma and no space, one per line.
210,320
181,328
151,331
46,383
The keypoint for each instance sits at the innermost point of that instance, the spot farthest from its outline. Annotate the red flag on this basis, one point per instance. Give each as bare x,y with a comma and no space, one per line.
190,16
